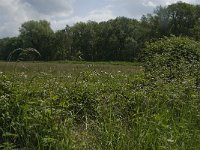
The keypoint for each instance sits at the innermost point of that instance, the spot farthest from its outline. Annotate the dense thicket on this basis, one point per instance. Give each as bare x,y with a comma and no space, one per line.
120,39
172,58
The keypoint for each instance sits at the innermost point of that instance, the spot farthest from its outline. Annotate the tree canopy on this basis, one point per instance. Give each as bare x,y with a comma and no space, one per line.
120,39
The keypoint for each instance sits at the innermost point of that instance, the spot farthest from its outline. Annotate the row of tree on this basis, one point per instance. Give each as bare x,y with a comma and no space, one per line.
120,39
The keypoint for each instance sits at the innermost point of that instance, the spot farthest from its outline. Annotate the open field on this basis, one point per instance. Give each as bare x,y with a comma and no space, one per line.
94,106
72,67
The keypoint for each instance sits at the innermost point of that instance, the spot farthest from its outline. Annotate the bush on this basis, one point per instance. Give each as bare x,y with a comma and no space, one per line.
172,58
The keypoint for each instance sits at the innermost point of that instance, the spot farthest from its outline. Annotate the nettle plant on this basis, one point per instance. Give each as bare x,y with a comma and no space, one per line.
172,58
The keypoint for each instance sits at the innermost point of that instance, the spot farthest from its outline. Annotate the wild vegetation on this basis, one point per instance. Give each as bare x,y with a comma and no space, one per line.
146,105
104,108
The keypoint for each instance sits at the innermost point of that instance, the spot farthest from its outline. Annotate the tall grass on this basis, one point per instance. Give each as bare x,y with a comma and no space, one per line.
97,109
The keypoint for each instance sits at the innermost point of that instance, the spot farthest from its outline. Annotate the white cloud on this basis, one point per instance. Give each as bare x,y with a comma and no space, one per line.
168,2
97,15
149,4
165,2
14,12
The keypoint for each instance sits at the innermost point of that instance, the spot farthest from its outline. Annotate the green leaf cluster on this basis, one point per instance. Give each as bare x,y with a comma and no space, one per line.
172,58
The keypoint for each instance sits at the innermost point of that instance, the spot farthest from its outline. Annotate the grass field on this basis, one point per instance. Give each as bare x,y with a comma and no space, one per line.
72,67
108,106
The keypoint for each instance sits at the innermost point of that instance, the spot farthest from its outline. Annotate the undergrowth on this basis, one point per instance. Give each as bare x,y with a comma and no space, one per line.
97,110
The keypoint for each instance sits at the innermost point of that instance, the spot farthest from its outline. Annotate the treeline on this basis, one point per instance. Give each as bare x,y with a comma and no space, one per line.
120,39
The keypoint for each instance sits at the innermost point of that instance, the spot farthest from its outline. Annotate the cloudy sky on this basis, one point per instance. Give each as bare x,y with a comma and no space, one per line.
61,12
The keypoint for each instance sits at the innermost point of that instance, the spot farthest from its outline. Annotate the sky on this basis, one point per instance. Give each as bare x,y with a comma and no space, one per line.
62,12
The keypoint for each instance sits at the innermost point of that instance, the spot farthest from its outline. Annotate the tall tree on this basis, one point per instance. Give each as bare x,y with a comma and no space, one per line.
38,35
125,35
62,44
84,35
182,18
176,19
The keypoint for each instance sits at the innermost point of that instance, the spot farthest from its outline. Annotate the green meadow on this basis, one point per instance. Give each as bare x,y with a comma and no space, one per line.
101,105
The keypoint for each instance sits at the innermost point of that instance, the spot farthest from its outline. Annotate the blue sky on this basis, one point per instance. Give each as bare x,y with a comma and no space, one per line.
61,12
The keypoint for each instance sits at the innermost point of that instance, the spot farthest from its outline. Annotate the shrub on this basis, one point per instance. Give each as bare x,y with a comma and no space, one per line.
172,58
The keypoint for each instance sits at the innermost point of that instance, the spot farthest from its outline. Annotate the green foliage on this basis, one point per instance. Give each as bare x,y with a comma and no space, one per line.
95,109
88,106
172,58
183,18
62,44
24,54
7,45
119,39
114,40
196,31
38,35
178,19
